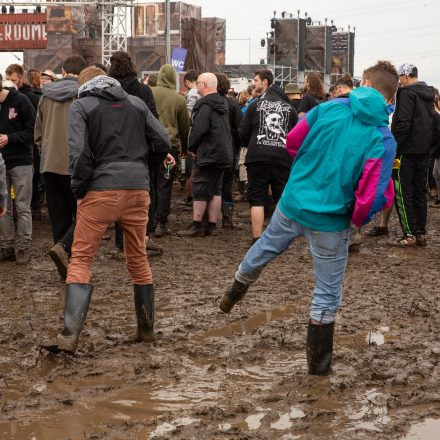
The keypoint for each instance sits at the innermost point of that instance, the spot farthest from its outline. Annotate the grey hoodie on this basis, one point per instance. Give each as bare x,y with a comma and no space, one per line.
51,125
65,89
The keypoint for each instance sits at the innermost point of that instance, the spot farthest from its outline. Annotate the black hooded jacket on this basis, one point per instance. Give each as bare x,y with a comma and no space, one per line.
28,91
210,136
265,126
413,119
133,87
17,120
235,117
435,143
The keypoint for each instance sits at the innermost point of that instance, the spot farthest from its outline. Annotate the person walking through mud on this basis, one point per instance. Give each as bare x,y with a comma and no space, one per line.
51,138
110,135
343,154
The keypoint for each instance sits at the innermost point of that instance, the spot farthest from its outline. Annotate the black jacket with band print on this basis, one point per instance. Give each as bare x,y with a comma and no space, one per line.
111,135
265,126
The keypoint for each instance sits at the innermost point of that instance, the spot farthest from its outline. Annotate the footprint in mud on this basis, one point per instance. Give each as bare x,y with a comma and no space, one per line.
285,421
167,428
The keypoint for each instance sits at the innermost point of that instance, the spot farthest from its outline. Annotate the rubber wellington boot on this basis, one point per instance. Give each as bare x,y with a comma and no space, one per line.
235,294
144,305
75,311
320,348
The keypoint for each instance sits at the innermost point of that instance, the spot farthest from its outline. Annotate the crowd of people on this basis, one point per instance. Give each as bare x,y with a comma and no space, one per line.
103,147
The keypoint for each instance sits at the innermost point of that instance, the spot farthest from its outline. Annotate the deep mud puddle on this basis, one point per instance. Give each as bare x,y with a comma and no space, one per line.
211,377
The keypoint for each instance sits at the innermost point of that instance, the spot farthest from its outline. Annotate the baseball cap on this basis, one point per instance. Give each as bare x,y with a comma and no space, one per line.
407,69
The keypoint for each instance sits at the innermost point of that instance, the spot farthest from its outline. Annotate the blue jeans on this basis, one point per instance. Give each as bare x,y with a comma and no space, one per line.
329,251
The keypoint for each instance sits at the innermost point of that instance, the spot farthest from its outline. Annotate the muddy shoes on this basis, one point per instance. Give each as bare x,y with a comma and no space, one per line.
75,312
144,305
61,259
7,254
235,294
320,348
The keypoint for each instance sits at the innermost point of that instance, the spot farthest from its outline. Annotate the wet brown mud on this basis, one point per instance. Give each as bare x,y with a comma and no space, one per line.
212,376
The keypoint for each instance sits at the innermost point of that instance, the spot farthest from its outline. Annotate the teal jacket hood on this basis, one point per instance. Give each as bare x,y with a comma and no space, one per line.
368,105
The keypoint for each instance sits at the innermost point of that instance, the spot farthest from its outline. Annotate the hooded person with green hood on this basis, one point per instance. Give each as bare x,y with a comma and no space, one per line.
174,117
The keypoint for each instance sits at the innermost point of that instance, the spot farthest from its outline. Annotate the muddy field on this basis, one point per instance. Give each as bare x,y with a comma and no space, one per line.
210,376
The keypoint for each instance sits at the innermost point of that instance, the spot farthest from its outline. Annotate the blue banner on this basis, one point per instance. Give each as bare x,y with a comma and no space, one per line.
178,57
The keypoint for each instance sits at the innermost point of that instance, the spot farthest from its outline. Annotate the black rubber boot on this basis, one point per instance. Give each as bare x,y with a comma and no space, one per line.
144,305
320,348
75,311
235,294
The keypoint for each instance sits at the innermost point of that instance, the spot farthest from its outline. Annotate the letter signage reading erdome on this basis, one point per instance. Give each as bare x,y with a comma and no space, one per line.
22,31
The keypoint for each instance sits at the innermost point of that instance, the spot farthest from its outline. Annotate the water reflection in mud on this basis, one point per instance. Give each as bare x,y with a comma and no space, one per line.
427,430
249,325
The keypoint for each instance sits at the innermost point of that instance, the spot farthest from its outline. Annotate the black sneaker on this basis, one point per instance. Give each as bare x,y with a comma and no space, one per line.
192,231
377,231
161,230
7,254
211,230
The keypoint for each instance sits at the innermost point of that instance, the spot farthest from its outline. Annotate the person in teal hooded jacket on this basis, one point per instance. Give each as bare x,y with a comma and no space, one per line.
343,155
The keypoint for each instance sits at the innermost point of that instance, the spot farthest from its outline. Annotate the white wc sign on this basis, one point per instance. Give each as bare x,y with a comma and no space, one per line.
178,58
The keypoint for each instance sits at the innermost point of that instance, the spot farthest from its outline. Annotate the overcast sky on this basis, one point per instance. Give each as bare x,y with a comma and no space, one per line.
397,30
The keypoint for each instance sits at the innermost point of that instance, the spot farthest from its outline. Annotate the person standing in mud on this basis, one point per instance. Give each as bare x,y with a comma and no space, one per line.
341,173
210,144
263,131
17,121
110,136
3,190
174,117
412,127
123,70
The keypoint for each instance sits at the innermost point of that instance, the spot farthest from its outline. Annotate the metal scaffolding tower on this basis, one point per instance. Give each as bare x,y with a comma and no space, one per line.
114,19
113,16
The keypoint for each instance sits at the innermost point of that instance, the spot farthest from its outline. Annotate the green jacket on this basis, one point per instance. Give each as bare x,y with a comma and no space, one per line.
173,113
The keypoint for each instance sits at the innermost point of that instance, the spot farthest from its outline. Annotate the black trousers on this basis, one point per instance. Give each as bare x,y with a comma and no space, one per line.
151,225
228,180
410,187
61,205
164,188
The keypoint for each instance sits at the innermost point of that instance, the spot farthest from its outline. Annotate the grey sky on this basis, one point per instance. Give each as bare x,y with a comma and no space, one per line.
397,30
